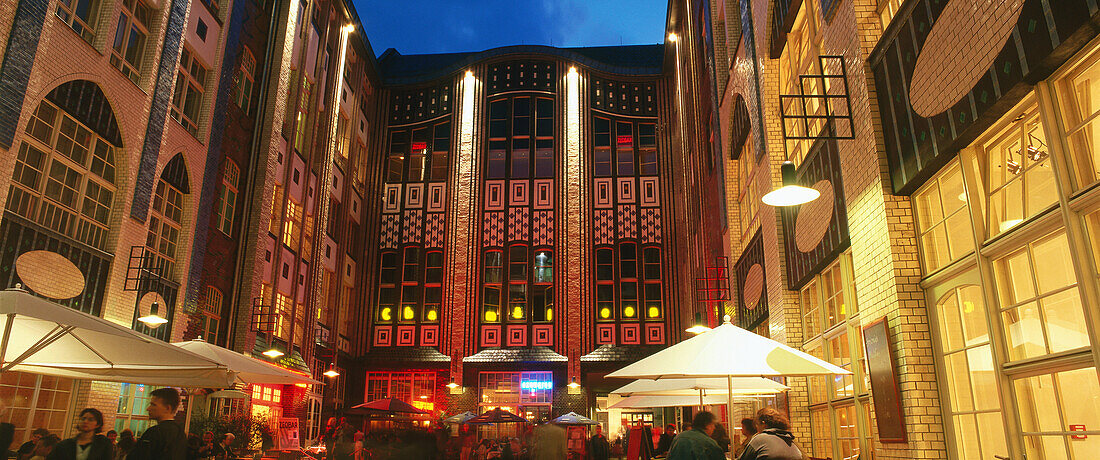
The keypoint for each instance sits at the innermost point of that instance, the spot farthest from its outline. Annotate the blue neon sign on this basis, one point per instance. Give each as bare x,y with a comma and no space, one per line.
536,385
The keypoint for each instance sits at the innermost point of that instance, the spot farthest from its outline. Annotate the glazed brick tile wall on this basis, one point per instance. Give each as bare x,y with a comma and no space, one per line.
884,250
15,71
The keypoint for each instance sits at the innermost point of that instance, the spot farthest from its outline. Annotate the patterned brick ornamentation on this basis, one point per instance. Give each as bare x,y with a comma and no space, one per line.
655,333
544,194
383,336
429,336
651,192
651,225
625,190
490,336
391,231
434,230
414,226
392,198
517,336
628,221
493,229
518,193
605,334
605,226
543,335
494,195
406,336
543,228
602,196
437,193
414,196
519,221
631,334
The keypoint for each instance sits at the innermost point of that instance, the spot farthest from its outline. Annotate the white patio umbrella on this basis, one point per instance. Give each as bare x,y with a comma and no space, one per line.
43,337
647,401
702,387
245,368
727,351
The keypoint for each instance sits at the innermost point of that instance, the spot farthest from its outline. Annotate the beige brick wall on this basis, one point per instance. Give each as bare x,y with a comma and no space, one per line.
884,251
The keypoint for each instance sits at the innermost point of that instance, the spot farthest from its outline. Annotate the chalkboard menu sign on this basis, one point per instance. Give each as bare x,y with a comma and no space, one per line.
884,381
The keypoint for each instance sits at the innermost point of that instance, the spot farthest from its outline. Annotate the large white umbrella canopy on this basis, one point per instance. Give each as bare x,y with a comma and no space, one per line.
727,351
648,401
42,337
245,368
708,386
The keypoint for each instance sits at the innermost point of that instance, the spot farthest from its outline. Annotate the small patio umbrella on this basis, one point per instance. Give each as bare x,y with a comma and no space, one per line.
574,418
388,406
460,418
42,337
727,351
496,416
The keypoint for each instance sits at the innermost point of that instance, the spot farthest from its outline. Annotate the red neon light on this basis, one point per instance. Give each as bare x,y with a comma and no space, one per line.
420,146
628,139
424,405
1078,428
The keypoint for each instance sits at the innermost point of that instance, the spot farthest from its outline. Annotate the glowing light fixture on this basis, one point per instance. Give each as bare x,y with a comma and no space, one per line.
628,311
408,313
573,384
491,316
387,314
452,385
790,194
433,315
572,69
153,320
331,373
349,28
697,329
273,353
654,312
469,74
517,313
672,37
605,313
549,314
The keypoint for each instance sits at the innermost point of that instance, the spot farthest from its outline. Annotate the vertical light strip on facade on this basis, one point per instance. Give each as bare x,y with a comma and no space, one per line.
574,177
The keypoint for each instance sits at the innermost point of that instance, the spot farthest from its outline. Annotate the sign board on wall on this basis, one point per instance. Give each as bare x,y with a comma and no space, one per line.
884,382
286,436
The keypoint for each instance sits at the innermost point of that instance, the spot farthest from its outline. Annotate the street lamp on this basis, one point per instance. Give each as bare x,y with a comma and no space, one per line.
153,320
331,373
790,194
273,353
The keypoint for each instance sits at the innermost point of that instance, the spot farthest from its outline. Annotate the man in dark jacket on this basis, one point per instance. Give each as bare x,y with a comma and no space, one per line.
774,441
598,447
696,443
87,444
165,440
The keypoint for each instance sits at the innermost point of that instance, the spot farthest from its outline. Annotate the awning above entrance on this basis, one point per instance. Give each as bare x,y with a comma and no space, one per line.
620,354
406,354
516,355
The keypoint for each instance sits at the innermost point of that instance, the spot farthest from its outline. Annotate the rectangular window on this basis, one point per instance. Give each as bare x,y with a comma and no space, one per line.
1019,181
624,149
132,401
1054,407
79,14
441,144
413,388
1040,305
602,164
226,206
40,401
943,219
492,278
187,96
647,148
498,139
395,162
418,155
544,141
128,50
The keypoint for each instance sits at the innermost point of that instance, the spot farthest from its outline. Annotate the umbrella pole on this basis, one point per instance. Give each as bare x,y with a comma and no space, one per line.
700,399
190,408
729,409
7,335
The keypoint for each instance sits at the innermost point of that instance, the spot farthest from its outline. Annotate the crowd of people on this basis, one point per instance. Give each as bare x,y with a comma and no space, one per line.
165,440
765,437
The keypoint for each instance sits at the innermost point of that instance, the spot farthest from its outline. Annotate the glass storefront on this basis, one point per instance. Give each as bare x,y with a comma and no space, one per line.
1010,244
36,401
527,394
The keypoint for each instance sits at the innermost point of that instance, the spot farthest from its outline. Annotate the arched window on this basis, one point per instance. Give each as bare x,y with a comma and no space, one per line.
211,314
64,176
226,206
166,217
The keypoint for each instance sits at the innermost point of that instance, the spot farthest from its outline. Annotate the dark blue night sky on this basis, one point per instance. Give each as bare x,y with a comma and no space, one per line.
439,26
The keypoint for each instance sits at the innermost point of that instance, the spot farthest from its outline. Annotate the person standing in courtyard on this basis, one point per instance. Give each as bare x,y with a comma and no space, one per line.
165,440
87,444
598,447
774,441
696,443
